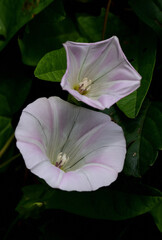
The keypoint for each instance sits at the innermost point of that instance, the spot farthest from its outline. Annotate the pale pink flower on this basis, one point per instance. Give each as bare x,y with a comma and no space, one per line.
98,74
70,147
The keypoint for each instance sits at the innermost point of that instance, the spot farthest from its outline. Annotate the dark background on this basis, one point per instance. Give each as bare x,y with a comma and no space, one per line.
58,224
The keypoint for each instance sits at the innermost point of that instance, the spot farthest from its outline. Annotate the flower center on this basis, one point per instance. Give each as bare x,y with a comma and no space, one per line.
61,160
84,86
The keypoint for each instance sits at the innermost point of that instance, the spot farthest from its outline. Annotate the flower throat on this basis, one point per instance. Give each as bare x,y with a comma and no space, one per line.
84,86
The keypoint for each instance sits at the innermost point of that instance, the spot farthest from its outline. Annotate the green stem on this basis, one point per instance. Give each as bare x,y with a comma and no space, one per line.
10,228
4,148
9,160
105,20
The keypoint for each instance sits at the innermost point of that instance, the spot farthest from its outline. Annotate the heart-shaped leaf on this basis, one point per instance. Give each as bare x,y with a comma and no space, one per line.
52,66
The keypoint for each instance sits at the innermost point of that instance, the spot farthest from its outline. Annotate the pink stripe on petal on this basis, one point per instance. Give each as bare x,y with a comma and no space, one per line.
29,128
32,153
98,175
75,181
112,157
89,101
51,174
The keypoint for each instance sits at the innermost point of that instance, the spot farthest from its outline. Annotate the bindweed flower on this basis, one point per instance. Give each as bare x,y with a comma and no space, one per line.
98,74
70,147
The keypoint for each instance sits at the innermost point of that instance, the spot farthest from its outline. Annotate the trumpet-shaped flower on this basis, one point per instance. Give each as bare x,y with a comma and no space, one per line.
98,74
70,147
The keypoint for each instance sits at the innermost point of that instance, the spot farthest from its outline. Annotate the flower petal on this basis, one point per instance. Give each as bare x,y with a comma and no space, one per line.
51,174
105,175
75,181
92,134
32,153
32,133
88,178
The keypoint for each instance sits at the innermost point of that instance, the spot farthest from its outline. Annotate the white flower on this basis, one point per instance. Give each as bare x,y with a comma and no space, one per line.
70,147
98,74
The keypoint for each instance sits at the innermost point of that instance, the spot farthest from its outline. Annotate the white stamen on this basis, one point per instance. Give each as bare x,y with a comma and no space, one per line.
61,160
84,85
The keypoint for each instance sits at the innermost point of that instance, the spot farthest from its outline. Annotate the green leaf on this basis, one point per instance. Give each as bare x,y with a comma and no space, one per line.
143,136
54,31
149,11
157,215
14,14
105,203
14,89
141,49
52,66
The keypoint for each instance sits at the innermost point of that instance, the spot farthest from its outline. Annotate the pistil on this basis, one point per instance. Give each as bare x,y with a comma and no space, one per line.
84,86
61,160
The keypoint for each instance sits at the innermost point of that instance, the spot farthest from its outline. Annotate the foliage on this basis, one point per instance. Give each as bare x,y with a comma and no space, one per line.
33,61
